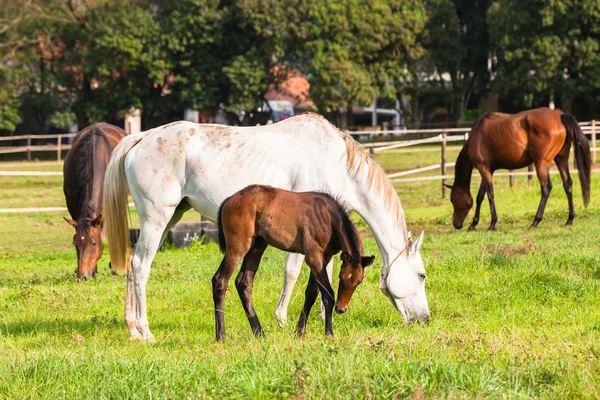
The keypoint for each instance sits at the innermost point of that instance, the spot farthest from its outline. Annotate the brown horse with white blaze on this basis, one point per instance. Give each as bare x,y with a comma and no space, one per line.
83,170
309,223
513,141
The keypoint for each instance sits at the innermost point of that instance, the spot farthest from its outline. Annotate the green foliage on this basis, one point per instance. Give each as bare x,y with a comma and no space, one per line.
9,100
354,50
546,49
457,45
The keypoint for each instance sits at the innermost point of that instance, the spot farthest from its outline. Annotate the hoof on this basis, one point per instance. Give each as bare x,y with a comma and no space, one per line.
492,229
472,228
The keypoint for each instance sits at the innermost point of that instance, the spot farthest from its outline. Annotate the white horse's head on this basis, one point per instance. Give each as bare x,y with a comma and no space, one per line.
405,284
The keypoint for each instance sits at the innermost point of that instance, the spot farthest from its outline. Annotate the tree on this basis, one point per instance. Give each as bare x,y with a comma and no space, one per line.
547,50
355,50
457,45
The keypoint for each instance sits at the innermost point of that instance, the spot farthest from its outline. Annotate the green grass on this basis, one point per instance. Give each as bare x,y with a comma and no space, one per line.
514,313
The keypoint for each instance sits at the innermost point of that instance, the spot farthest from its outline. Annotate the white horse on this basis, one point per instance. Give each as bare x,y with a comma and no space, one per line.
184,165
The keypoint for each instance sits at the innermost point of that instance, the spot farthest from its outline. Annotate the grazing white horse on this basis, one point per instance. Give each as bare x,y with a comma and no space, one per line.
184,165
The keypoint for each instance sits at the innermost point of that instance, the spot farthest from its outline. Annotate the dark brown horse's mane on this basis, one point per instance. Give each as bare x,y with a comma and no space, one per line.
84,170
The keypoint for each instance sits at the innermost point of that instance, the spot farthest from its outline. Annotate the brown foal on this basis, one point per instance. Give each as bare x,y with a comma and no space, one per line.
310,223
507,141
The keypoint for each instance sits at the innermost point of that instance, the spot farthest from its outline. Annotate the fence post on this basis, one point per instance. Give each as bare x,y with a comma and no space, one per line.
511,178
28,147
372,151
59,148
443,162
593,142
529,169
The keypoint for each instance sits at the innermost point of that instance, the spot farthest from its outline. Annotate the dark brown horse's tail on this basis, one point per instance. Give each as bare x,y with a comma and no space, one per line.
583,157
222,242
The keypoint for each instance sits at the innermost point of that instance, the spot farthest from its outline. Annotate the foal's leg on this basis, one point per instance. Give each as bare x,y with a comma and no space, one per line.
543,174
480,196
220,280
330,276
291,273
562,162
244,282
310,295
317,265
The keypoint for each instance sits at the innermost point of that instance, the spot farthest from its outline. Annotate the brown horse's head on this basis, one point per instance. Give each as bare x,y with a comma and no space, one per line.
462,201
351,275
88,243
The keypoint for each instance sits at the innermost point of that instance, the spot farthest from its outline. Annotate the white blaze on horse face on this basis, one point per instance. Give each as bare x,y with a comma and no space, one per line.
406,286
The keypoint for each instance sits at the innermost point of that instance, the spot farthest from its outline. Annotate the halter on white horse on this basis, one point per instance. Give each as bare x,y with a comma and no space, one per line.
181,165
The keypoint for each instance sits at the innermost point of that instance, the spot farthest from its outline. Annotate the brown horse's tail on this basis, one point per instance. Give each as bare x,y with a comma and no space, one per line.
583,157
114,204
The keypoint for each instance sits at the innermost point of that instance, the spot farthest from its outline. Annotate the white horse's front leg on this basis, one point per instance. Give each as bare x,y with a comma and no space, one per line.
130,307
291,272
329,269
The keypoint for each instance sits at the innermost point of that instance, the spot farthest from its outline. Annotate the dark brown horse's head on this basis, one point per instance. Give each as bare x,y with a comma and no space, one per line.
462,201
351,275
88,243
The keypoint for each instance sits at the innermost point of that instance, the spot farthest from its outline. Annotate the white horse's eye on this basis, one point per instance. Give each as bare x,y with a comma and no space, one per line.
422,276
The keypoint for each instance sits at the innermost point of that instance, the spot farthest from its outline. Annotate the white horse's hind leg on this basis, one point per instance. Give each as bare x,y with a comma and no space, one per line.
151,232
291,272
130,307
329,269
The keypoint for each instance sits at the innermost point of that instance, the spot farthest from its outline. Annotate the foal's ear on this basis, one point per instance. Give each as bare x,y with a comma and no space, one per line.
97,222
71,222
346,257
366,261
448,186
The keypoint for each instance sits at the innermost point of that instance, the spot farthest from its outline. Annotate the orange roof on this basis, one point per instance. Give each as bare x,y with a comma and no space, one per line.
295,89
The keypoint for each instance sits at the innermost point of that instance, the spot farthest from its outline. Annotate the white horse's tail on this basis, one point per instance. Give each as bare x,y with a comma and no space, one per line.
114,204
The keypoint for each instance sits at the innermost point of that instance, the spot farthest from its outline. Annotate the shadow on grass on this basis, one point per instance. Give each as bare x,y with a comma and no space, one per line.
61,326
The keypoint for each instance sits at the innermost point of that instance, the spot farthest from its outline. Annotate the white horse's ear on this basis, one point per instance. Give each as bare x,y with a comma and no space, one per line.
415,246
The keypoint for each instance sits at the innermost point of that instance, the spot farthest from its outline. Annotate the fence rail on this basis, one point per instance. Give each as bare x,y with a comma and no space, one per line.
442,136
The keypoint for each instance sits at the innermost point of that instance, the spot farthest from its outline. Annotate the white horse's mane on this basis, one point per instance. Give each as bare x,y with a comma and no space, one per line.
357,159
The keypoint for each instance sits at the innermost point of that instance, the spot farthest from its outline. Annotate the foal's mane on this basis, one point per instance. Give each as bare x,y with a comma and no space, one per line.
349,231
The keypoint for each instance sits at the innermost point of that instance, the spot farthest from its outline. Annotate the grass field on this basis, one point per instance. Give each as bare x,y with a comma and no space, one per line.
515,314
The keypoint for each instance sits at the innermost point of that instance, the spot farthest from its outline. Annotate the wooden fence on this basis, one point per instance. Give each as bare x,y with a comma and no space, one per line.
31,147
396,143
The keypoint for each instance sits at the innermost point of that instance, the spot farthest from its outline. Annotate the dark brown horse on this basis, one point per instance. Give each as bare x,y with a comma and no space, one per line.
83,171
506,141
310,223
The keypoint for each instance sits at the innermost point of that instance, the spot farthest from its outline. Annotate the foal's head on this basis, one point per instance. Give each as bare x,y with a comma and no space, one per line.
462,201
88,243
351,275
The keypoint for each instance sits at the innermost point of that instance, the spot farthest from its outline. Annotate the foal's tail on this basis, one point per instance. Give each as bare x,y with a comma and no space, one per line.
222,242
114,203
583,157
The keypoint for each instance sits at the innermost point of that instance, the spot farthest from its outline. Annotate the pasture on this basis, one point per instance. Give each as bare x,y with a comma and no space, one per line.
514,313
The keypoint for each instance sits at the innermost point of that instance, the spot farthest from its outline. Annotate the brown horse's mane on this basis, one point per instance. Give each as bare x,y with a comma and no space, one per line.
83,164
463,167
